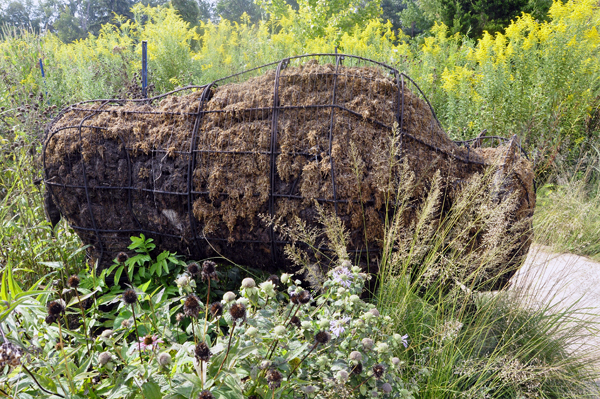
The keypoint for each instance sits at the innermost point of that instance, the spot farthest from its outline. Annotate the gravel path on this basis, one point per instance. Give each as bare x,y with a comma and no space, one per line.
564,281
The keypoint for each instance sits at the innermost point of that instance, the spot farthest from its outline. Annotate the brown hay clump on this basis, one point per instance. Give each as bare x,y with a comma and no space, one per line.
136,159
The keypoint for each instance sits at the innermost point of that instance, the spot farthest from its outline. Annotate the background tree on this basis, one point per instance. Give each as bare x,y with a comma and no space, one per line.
75,19
232,10
20,15
193,11
391,10
469,17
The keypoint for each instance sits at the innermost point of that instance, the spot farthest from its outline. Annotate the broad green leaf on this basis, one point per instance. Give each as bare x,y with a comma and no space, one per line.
145,286
151,390
118,274
53,265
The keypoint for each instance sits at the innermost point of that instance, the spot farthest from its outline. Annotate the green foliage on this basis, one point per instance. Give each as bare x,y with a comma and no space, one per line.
391,11
567,215
233,10
468,17
193,11
258,344
154,273
19,15
78,18
470,343
317,19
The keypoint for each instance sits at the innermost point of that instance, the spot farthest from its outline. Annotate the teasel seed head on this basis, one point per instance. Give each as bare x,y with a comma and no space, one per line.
209,270
294,298
191,306
216,309
202,352
130,296
357,369
56,308
295,321
274,378
238,311
322,337
193,269
304,297
206,394
51,319
73,281
378,371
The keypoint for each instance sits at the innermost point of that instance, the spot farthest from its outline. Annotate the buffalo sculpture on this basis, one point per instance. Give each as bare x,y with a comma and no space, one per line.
196,169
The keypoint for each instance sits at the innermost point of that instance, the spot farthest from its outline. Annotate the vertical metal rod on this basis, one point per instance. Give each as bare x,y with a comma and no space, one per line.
42,68
44,77
192,158
145,68
331,122
275,118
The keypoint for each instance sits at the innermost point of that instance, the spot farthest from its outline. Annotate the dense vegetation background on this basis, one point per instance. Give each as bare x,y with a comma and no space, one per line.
529,68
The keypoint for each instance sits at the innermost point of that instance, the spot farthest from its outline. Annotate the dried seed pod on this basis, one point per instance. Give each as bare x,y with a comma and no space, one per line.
378,371
193,269
202,352
73,281
357,369
130,296
122,257
304,297
274,378
238,311
322,337
209,270
191,306
55,308
216,309
206,394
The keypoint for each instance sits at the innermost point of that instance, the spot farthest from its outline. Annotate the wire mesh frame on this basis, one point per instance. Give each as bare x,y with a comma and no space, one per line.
400,81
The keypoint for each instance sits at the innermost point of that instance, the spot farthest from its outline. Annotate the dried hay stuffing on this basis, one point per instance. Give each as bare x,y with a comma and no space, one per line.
196,170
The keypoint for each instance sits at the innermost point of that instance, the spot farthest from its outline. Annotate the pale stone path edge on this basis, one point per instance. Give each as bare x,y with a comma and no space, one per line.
564,281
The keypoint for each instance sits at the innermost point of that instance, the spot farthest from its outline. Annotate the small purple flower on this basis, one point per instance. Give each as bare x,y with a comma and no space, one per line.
336,326
342,276
405,340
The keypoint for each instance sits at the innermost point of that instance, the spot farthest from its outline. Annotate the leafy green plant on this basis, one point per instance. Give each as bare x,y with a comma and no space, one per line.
272,340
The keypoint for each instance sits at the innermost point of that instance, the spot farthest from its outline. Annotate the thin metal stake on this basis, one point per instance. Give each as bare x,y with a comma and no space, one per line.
44,77
145,68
